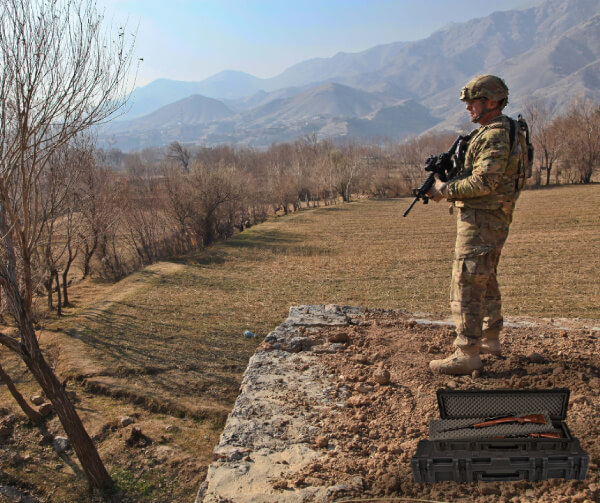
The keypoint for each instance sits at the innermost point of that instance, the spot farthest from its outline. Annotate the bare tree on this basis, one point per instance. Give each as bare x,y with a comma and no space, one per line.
60,74
180,204
177,152
144,214
582,138
212,188
545,136
96,201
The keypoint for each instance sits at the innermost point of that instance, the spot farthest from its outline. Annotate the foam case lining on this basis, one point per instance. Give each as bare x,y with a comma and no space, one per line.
509,451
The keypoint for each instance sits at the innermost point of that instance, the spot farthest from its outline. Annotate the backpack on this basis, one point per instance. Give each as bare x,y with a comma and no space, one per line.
526,162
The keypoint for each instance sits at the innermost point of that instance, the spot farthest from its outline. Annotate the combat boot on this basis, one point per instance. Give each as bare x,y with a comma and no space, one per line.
464,361
490,343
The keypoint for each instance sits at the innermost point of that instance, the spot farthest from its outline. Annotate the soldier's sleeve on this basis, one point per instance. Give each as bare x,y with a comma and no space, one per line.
491,153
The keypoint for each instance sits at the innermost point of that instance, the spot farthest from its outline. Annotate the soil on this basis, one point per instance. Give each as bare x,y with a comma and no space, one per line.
367,445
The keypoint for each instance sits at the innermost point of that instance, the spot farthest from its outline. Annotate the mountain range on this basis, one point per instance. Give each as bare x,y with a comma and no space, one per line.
549,51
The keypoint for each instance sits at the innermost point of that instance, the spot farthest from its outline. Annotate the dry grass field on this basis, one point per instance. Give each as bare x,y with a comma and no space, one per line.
165,345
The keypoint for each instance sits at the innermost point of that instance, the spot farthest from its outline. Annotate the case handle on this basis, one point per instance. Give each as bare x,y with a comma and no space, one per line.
485,477
511,447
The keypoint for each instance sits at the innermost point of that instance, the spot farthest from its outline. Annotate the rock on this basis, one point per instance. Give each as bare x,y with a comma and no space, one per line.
559,369
354,428
230,453
265,346
171,428
137,439
37,400
60,444
45,409
382,376
388,483
5,431
163,453
360,358
339,337
356,401
249,334
363,388
126,421
280,484
487,489
323,349
321,441
579,399
395,449
46,439
15,459
534,357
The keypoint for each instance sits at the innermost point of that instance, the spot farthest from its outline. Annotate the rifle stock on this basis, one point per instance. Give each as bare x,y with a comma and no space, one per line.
532,418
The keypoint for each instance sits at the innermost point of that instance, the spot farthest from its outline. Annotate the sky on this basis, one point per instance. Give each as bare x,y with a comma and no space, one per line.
191,40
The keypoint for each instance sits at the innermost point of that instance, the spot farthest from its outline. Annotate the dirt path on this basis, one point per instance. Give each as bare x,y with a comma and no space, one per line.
78,358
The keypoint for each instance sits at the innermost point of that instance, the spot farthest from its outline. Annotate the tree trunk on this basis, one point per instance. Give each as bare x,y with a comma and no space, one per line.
64,285
33,415
49,287
79,438
58,295
65,274
88,254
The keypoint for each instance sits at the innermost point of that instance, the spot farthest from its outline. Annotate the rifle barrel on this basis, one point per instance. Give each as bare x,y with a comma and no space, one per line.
421,191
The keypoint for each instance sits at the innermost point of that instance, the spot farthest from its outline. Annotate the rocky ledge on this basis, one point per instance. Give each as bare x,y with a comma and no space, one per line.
268,434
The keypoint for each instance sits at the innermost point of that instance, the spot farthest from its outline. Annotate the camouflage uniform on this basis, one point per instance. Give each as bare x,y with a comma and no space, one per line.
486,198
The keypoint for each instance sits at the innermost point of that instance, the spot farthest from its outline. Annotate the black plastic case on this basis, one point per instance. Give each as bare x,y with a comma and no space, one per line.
500,459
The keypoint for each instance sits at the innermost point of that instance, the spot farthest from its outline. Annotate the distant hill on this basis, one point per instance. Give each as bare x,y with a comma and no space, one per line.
327,100
549,51
224,85
191,111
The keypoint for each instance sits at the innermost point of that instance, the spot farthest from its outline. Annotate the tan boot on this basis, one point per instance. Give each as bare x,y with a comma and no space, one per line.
464,361
490,344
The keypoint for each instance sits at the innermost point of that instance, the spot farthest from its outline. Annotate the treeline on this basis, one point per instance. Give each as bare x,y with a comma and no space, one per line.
567,145
107,213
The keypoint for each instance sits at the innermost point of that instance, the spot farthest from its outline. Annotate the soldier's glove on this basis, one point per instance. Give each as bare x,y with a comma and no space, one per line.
438,190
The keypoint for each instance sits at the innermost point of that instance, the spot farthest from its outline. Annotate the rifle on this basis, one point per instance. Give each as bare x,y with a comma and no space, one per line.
493,421
533,435
446,165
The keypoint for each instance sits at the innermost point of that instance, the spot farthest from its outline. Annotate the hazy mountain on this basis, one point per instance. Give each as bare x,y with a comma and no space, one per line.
224,85
327,100
328,110
189,111
550,51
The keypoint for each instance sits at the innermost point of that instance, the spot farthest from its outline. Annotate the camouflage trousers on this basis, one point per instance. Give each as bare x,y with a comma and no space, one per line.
475,298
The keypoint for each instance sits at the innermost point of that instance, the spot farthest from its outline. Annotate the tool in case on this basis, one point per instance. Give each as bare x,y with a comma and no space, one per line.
500,435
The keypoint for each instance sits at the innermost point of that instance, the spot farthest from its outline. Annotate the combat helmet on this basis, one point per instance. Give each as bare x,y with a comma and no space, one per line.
486,86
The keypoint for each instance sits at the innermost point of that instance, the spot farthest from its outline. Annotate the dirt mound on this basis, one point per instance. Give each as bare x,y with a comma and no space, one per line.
370,442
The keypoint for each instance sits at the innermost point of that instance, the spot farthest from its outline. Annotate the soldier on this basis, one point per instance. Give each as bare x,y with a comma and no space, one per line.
485,196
